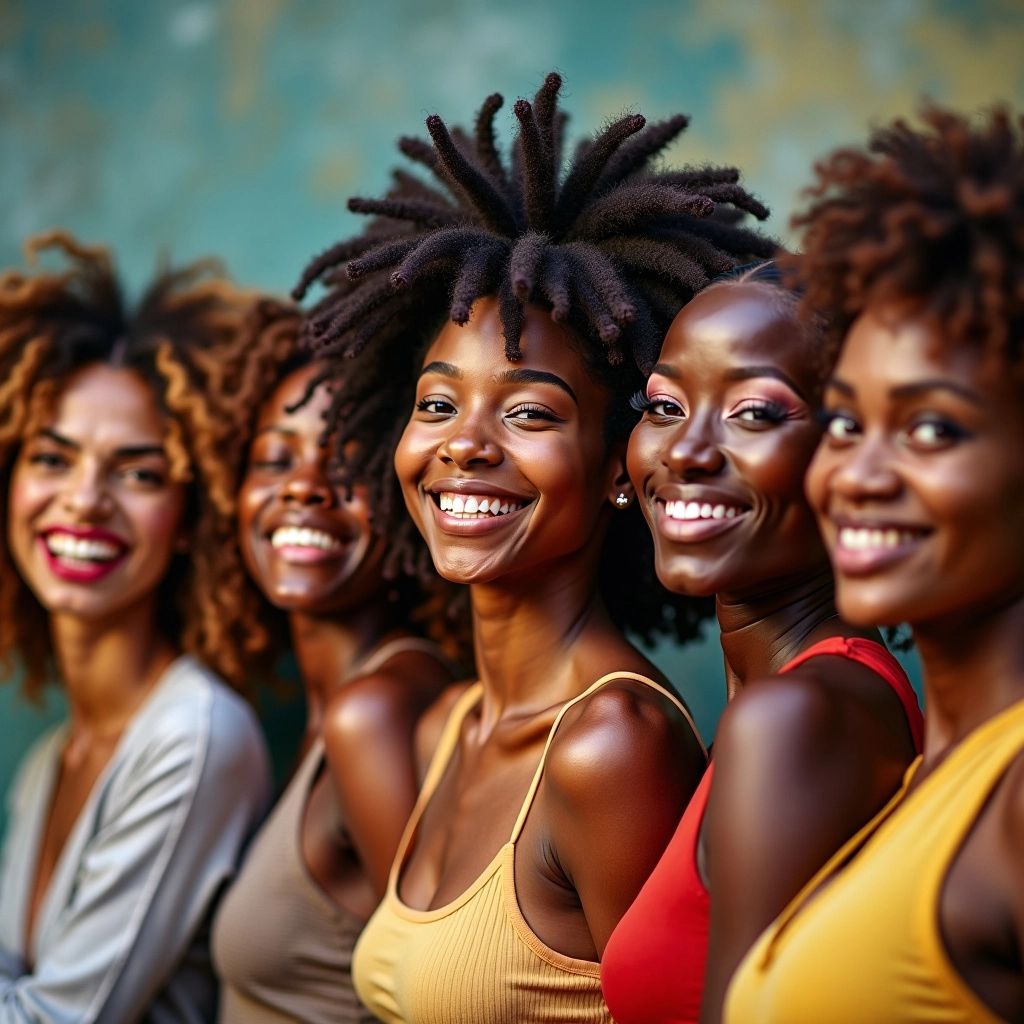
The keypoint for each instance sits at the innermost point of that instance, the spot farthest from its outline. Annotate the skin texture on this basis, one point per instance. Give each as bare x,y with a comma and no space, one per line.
89,470
925,438
624,762
338,614
803,759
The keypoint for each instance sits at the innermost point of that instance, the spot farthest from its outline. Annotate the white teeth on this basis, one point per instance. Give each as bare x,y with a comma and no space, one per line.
696,510
473,506
864,539
303,537
64,545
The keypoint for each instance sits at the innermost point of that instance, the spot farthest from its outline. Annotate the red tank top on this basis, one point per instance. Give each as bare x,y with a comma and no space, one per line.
652,971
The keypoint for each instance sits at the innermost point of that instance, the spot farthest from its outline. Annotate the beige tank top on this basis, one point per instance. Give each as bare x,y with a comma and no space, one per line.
281,947
476,958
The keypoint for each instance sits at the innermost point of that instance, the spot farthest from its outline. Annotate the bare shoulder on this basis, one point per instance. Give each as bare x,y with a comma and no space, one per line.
1013,817
624,733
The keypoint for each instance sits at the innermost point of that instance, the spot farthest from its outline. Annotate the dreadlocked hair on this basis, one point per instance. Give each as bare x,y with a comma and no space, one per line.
934,216
271,351
612,248
55,323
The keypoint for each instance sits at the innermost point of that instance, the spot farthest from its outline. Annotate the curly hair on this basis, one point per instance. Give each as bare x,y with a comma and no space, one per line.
934,216
611,248
269,352
53,323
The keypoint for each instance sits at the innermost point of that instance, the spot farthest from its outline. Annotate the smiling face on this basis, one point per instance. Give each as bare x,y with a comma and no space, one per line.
505,466
919,480
306,546
718,459
93,514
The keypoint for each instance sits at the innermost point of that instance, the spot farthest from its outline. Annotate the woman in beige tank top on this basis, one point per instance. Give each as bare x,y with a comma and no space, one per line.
284,935
497,317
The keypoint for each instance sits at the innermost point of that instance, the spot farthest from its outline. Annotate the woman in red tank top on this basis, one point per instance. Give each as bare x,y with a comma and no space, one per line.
827,723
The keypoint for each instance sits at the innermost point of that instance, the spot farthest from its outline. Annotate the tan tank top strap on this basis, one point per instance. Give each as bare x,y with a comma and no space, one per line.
438,763
635,677
401,645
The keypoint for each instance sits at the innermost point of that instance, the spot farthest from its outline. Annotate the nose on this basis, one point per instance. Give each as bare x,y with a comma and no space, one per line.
308,485
694,450
467,446
86,496
866,471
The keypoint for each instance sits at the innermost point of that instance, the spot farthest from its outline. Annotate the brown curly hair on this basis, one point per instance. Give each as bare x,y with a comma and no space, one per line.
270,350
931,215
176,338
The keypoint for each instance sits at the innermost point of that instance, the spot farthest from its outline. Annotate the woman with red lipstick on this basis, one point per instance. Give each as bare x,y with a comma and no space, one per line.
915,247
284,935
508,312
825,722
117,573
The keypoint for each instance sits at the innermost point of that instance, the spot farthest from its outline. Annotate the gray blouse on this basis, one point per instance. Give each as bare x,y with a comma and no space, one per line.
122,931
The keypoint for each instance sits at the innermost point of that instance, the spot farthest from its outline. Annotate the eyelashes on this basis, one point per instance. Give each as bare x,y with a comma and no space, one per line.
639,402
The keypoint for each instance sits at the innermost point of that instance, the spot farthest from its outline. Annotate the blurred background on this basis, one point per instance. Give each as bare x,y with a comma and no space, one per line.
238,128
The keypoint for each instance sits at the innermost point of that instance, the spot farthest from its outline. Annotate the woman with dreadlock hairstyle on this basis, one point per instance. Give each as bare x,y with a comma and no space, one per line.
117,574
915,248
499,321
282,946
822,721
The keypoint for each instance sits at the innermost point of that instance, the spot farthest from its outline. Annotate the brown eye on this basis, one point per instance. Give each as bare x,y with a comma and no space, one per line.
840,427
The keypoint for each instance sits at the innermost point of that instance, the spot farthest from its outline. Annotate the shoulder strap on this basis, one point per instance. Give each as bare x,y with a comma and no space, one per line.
438,763
880,660
635,677
401,645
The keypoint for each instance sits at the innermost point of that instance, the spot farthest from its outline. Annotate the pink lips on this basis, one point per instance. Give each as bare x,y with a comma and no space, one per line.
81,570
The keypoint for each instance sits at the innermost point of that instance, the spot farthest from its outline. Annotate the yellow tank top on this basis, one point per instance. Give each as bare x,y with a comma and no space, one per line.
476,958
868,948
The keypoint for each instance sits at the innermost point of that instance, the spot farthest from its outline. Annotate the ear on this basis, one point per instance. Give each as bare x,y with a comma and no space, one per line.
619,486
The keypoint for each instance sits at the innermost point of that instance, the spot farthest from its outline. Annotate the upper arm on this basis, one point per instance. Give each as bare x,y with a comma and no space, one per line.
168,837
369,731
616,782
797,771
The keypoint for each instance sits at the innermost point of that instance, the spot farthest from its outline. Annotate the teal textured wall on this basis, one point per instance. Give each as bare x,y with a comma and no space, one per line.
239,127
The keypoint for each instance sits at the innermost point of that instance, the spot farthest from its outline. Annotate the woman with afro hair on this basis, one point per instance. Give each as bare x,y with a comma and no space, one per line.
489,329
914,247
119,577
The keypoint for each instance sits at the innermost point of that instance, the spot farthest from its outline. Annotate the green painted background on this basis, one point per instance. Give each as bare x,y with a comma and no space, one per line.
239,127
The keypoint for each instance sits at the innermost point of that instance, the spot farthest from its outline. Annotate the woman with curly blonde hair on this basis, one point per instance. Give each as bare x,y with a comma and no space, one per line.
119,576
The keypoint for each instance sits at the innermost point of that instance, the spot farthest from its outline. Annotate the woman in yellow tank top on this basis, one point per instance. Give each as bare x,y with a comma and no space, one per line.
916,248
506,314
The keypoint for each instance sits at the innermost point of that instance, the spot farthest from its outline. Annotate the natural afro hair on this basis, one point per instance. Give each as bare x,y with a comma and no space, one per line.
931,215
612,248
54,323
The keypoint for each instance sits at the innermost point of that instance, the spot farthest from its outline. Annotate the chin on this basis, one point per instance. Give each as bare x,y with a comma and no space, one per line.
865,607
683,580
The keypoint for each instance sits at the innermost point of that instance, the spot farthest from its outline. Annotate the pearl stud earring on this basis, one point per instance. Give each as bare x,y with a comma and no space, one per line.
622,500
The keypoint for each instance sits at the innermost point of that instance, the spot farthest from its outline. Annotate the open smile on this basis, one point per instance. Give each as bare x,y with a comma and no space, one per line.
469,508
306,545
863,549
690,521
82,555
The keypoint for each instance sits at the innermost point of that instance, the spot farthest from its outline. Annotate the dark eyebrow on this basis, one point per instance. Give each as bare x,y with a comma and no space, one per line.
444,369
916,389
749,372
516,376
665,370
275,428
128,452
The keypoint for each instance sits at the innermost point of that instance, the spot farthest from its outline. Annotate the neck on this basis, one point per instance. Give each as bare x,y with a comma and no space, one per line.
973,669
525,632
108,668
764,630
329,648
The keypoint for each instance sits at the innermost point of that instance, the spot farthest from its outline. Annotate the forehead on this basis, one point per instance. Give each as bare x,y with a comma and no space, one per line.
734,320
290,390
107,407
907,345
478,348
